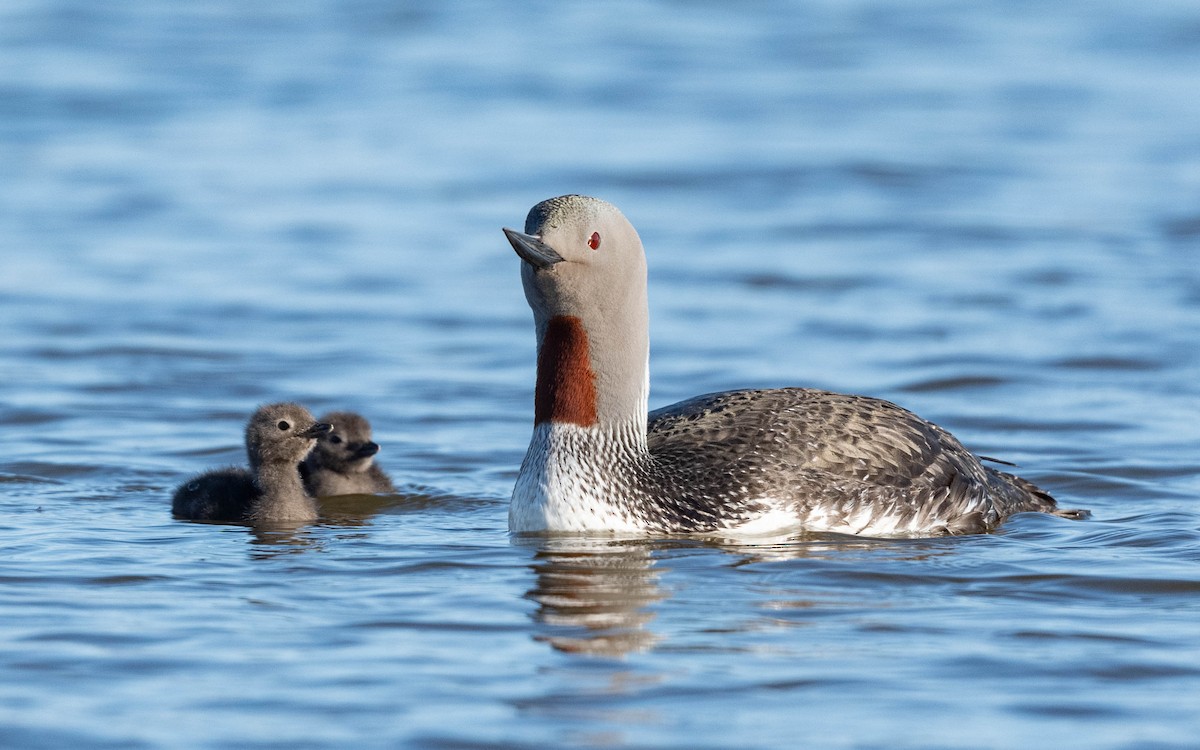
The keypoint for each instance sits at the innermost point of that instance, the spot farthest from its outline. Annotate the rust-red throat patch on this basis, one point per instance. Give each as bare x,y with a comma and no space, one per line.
566,385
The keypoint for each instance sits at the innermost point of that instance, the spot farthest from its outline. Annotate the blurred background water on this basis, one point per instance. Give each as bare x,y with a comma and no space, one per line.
988,212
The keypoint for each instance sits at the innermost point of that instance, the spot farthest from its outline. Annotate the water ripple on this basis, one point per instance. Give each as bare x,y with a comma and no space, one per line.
223,204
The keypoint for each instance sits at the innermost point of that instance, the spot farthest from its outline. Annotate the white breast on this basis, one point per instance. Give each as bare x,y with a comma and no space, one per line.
565,486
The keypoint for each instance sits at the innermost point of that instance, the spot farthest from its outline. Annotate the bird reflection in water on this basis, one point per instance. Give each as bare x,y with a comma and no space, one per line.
595,596
598,596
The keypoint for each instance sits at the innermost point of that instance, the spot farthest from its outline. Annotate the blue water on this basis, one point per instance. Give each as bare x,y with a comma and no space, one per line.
988,212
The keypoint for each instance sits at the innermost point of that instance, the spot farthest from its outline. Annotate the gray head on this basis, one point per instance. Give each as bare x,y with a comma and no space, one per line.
348,446
584,273
281,434
582,258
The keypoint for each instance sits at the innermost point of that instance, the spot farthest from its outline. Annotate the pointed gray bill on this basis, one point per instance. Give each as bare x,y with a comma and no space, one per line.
317,430
532,250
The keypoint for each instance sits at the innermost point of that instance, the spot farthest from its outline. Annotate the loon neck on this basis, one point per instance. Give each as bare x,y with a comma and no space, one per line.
590,386
283,495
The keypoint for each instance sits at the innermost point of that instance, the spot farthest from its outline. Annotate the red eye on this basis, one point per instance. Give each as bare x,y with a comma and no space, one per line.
594,241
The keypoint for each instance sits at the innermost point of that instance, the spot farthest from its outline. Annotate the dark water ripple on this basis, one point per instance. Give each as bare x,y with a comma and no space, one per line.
984,215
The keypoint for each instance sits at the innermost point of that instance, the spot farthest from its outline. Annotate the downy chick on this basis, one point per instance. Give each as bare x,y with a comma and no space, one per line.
278,437
343,463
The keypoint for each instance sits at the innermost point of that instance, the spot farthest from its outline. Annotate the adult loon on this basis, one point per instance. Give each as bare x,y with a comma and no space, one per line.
738,462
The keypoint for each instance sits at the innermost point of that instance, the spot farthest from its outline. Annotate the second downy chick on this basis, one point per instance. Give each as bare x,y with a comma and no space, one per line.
343,461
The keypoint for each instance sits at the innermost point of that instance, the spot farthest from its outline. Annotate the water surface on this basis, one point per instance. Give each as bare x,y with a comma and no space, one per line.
987,212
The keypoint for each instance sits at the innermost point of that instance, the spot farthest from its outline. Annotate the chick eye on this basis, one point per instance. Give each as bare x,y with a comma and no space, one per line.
283,425
335,440
594,241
